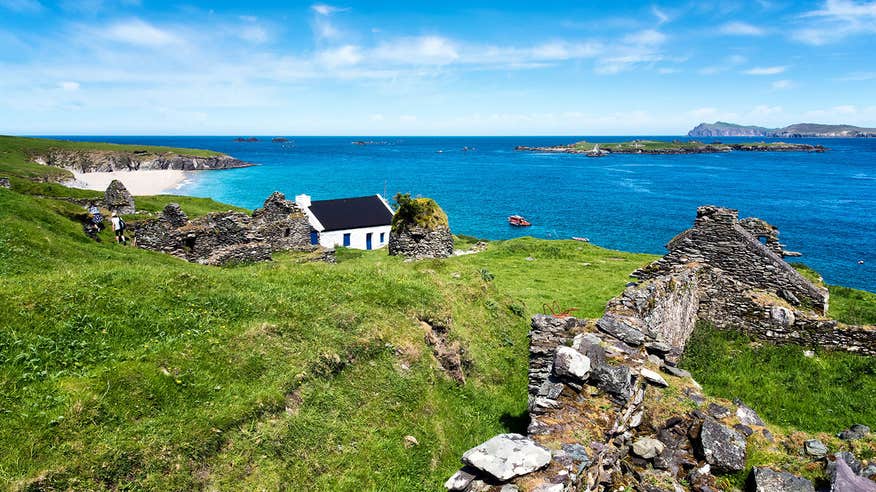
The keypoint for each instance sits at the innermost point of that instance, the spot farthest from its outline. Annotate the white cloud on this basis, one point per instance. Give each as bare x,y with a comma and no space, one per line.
646,37
253,34
766,70
341,56
662,17
741,29
782,84
323,9
858,76
835,21
138,32
68,86
23,6
424,50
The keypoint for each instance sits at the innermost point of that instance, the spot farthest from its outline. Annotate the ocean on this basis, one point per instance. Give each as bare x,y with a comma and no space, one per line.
823,204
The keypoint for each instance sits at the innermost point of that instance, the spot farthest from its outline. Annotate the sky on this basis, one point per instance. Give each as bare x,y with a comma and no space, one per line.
143,67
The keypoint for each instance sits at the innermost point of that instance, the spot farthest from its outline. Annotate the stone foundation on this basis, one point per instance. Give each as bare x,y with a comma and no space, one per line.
420,243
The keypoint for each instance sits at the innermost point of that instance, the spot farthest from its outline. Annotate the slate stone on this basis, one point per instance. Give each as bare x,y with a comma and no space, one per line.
674,371
653,378
746,415
767,480
506,456
844,479
721,446
857,431
614,380
620,330
570,363
744,430
647,447
816,448
718,411
460,480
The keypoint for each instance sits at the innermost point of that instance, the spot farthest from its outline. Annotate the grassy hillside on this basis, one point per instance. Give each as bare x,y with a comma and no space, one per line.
136,370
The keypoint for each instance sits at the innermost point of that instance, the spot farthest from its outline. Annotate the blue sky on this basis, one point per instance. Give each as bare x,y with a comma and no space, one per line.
431,68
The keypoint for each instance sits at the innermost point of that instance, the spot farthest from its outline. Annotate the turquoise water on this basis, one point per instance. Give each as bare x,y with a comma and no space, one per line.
823,204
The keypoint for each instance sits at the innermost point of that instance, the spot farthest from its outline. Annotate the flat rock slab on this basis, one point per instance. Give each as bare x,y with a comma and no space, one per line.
507,456
570,363
721,446
621,330
766,480
648,448
653,378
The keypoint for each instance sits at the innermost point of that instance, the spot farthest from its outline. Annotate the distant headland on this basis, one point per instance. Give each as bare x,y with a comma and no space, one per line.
799,130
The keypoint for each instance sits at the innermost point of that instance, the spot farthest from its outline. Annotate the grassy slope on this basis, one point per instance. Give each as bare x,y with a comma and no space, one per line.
134,369
172,375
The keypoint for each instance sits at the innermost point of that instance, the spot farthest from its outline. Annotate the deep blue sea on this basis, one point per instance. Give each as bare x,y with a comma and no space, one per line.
824,204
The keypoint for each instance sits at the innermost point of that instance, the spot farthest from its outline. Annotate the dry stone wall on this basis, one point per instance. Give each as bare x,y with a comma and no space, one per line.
229,237
420,242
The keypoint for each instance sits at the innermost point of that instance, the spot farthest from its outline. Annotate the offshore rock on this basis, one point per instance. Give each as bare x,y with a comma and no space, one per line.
507,456
767,480
118,199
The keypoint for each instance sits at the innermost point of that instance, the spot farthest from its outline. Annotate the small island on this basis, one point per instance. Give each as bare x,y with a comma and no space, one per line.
674,147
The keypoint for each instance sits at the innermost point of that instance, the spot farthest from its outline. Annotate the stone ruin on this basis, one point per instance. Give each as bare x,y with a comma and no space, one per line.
230,237
599,416
4,183
422,233
118,199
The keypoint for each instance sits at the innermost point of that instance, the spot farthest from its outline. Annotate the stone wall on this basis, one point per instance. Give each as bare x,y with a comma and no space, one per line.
719,241
228,237
420,242
118,199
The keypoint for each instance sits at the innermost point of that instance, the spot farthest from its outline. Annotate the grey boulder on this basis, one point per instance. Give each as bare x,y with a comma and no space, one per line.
570,363
857,431
747,416
506,456
845,480
721,446
648,448
816,448
766,480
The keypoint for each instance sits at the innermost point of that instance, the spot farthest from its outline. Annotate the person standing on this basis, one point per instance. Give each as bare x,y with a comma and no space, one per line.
119,228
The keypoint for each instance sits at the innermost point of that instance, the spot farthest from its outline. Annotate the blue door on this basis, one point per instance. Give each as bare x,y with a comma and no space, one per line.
347,239
368,241
314,237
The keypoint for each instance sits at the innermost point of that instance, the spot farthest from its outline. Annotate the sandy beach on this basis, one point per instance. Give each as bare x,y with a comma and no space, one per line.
137,182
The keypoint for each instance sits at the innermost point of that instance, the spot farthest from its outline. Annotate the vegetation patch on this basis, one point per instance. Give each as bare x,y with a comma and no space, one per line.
420,212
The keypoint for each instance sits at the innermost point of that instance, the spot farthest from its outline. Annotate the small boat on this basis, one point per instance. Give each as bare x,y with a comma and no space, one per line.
582,239
518,221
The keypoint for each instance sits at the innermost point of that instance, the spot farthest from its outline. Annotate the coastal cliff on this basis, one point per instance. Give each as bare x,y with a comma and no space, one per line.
799,130
88,161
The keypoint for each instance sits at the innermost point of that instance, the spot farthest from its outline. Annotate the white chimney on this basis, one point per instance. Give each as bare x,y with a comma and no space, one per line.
302,200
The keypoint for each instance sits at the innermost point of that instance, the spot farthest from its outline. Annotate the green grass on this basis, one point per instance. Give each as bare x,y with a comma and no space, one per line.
852,306
131,368
825,393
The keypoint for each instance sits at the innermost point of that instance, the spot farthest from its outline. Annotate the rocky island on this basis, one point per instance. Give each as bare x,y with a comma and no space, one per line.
673,147
799,130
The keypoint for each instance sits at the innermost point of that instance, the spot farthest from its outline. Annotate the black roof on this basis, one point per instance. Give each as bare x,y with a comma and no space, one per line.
351,213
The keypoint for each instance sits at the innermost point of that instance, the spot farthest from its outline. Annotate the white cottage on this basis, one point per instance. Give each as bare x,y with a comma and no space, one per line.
360,223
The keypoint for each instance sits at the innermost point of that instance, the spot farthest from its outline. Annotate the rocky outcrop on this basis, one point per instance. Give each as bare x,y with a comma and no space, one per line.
229,237
118,199
767,480
111,161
